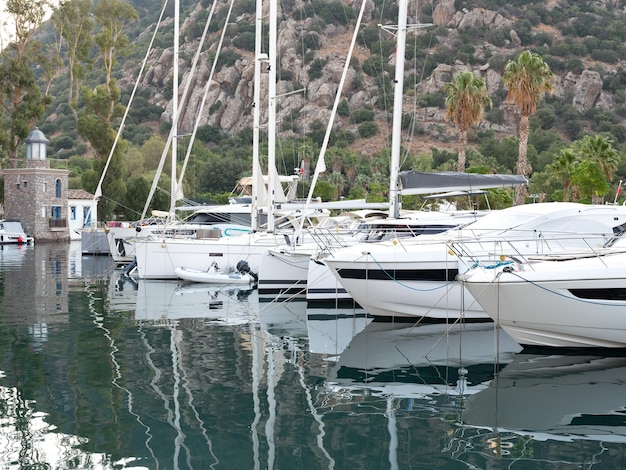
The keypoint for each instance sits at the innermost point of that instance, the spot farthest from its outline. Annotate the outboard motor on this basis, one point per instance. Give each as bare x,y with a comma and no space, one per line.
244,267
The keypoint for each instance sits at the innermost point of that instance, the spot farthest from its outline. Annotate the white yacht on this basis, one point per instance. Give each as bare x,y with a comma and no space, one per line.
417,277
575,300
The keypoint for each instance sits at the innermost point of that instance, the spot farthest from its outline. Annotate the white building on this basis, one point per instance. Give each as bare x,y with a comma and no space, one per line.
82,212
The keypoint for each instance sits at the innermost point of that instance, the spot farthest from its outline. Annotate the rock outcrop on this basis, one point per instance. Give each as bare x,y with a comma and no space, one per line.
229,102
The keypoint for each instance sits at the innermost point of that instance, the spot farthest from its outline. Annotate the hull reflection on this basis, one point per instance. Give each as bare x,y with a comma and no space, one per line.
561,397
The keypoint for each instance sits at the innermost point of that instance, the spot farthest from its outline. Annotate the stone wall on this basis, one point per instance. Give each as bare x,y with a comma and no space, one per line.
30,194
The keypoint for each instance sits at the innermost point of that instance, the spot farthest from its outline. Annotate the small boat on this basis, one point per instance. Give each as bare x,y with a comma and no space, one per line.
11,231
213,275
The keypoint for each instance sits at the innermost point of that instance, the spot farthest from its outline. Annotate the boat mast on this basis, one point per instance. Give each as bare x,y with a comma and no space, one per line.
257,177
173,185
271,123
396,129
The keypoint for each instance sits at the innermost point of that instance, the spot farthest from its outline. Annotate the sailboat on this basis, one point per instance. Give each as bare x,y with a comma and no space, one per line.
158,257
112,238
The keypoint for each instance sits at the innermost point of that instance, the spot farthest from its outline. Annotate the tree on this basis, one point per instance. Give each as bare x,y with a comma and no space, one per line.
526,78
561,170
22,101
600,149
111,17
466,101
75,25
102,104
338,181
588,176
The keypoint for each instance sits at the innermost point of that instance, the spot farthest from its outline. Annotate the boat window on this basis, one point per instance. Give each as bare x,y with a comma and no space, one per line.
619,240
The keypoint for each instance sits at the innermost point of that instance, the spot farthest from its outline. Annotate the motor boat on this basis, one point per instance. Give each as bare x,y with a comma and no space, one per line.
572,300
11,231
417,277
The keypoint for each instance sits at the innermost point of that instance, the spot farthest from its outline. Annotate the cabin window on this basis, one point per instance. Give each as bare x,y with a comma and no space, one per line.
58,188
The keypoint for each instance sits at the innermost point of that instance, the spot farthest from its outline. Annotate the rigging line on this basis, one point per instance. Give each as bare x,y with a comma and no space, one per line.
130,100
320,167
421,77
170,137
206,89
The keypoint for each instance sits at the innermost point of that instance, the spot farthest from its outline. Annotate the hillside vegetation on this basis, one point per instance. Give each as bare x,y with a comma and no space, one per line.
582,120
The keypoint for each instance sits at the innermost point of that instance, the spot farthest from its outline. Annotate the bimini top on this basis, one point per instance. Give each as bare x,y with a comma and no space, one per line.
419,182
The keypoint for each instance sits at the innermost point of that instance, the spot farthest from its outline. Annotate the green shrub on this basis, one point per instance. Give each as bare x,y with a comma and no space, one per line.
368,129
316,68
363,115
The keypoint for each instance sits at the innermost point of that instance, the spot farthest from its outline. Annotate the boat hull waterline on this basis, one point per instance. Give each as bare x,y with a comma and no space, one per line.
563,304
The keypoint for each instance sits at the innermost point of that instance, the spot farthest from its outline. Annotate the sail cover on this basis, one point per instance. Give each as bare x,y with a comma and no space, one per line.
419,182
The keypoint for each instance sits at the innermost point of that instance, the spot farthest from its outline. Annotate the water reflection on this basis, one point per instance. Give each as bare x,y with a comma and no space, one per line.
103,371
564,397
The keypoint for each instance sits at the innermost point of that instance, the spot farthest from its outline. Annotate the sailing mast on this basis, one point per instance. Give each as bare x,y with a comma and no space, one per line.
271,122
257,177
396,129
173,186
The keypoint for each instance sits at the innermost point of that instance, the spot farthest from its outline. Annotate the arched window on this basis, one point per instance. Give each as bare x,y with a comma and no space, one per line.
58,188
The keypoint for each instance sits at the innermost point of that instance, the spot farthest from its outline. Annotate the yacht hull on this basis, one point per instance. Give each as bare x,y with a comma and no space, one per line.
578,303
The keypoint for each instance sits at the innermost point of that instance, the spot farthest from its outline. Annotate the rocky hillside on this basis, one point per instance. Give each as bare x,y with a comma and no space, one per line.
476,35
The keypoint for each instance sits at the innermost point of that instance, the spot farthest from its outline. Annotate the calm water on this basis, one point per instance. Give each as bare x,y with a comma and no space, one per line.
100,372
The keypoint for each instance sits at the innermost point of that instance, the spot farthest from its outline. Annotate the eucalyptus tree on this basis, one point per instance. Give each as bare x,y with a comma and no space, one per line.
75,25
526,78
466,101
102,103
22,101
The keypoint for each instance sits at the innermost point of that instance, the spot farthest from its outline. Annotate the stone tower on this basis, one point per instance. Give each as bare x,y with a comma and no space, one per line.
37,194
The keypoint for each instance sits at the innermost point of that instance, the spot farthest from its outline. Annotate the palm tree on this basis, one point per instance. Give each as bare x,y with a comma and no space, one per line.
466,101
599,149
526,78
561,171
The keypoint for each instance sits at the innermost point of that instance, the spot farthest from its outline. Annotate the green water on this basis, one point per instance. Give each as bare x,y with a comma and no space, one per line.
98,371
